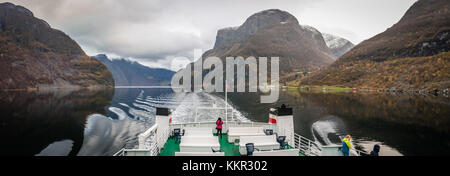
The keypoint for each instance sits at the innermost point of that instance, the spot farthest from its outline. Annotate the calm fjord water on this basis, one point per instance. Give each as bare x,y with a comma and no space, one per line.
87,122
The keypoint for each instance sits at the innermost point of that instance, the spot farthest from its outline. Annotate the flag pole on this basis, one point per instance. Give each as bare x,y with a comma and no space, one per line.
226,101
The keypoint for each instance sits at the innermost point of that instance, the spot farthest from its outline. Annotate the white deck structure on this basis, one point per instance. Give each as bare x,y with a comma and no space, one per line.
287,152
199,141
234,133
199,154
199,131
264,143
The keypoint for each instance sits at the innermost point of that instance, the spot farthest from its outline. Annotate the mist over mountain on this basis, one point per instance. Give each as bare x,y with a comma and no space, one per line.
129,73
34,55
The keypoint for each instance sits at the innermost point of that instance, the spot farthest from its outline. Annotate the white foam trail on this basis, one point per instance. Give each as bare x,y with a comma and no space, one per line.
184,112
151,104
386,150
193,102
185,106
123,104
141,95
120,113
104,136
236,114
323,128
331,125
143,116
145,107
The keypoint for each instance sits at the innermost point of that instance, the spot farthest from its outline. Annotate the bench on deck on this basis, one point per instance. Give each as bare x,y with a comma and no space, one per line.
260,142
237,132
199,154
287,152
200,131
199,143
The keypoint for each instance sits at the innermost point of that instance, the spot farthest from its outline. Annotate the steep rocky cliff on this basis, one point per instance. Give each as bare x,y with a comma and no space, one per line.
34,55
274,33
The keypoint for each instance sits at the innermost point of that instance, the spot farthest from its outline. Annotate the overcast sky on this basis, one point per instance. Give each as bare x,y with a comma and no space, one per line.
155,31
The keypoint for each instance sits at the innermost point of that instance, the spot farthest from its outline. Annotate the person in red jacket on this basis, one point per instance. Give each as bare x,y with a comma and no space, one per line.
219,124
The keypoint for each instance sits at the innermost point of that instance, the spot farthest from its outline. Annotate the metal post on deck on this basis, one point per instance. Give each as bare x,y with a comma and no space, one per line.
309,146
232,114
226,93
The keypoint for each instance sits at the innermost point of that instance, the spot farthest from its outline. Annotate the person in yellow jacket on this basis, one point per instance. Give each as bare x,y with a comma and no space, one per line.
346,146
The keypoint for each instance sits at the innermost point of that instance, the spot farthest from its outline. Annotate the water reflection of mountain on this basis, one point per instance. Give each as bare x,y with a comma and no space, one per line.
128,114
424,111
413,124
32,120
87,122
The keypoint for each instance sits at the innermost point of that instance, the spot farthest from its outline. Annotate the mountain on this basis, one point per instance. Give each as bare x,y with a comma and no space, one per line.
128,73
33,55
274,33
412,54
338,45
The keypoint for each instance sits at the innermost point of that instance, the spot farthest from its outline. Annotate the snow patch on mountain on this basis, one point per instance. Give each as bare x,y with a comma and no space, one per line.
338,45
310,28
333,41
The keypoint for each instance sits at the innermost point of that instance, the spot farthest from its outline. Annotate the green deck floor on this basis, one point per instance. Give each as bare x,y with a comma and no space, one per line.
230,149
173,146
170,147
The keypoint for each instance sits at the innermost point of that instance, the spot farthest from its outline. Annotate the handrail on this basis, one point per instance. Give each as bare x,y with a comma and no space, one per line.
307,146
153,139
214,122
361,152
312,148
226,125
142,138
121,152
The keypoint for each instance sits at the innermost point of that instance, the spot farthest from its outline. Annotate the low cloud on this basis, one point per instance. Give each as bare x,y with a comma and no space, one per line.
153,32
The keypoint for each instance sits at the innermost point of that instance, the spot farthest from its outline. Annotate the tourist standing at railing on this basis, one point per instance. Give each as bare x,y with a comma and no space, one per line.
346,146
375,151
219,124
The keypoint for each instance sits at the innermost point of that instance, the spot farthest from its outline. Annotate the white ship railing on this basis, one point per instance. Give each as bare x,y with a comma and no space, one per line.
307,146
150,143
225,125
132,152
121,152
361,153
313,148
152,140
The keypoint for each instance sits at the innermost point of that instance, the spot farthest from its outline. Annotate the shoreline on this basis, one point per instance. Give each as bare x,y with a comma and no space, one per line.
436,92
74,88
